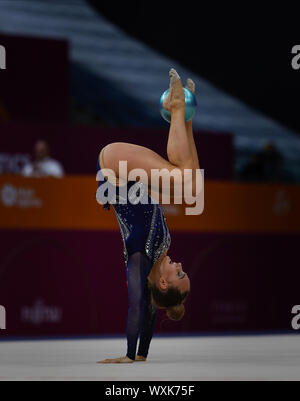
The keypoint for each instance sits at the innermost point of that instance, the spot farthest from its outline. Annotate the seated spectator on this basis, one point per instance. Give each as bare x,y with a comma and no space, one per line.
43,165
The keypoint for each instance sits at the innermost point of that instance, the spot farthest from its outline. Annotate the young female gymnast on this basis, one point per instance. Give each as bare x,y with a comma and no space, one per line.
154,280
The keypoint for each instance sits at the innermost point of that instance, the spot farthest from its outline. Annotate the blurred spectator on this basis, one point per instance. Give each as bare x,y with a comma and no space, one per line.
43,165
266,165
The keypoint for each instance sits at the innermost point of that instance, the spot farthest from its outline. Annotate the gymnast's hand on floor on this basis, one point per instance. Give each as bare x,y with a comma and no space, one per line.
123,359
140,358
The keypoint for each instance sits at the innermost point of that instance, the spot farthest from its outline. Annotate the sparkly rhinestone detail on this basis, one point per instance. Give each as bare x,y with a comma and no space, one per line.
124,234
145,220
164,244
141,222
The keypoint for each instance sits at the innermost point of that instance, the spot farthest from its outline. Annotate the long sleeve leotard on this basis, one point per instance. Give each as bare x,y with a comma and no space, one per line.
146,237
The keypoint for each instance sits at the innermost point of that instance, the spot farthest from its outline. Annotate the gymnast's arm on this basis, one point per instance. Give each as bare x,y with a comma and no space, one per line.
138,268
148,325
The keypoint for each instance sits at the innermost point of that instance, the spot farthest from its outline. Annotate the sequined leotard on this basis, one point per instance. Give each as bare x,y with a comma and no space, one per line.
145,237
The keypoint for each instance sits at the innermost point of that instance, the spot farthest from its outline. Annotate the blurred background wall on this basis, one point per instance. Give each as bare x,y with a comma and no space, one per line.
80,74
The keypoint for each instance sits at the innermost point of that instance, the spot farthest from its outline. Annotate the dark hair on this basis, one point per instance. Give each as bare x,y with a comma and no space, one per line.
172,300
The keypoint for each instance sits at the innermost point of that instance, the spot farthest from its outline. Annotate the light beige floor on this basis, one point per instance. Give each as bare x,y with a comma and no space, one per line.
184,358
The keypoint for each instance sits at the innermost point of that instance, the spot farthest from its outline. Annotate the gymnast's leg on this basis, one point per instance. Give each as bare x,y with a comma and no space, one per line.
189,129
181,154
179,147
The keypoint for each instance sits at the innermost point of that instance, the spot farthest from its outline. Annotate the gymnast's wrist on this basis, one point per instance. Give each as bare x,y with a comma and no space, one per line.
140,358
132,359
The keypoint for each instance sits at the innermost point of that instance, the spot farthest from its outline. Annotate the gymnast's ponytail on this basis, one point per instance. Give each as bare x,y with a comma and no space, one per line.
172,300
176,312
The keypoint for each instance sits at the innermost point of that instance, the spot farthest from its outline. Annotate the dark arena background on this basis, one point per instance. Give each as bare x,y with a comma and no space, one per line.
77,75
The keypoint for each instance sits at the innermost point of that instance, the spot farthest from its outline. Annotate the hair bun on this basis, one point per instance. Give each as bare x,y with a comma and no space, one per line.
176,312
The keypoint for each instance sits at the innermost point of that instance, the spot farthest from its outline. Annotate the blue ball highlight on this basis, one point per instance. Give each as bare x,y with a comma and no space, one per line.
190,105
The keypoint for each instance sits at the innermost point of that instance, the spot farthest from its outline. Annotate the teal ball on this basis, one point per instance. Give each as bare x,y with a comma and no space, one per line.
190,105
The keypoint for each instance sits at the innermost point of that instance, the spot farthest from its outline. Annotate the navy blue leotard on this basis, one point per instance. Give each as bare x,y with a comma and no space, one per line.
145,237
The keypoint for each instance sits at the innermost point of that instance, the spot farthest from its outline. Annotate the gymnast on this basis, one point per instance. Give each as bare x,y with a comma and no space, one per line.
154,280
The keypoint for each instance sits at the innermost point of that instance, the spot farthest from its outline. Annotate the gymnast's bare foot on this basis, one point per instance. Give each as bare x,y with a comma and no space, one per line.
190,85
175,98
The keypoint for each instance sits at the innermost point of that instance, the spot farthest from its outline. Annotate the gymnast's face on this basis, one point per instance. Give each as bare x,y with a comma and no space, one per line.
173,275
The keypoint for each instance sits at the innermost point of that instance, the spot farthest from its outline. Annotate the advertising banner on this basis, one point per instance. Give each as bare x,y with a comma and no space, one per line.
62,269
